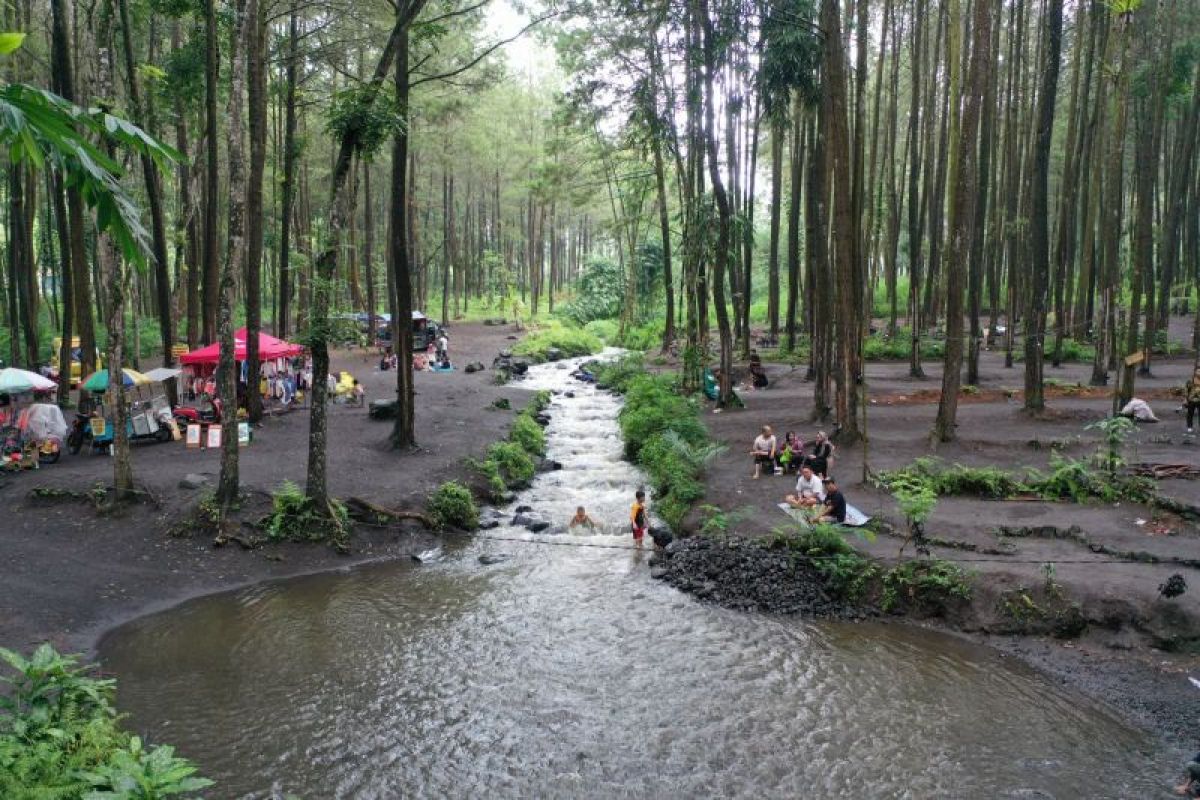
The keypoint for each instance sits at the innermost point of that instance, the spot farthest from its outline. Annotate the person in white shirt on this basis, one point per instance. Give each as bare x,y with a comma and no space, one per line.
764,452
810,490
443,348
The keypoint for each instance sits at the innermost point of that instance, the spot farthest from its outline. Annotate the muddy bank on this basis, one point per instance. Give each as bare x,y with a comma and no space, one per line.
70,573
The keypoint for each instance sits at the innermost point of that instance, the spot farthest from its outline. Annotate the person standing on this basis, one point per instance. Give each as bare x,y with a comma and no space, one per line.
764,451
1191,398
443,347
638,521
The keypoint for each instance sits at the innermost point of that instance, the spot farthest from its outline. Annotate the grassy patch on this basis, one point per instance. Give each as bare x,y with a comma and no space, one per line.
927,584
510,464
570,342
848,574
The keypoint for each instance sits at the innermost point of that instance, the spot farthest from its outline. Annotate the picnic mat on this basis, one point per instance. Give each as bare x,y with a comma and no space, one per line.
854,517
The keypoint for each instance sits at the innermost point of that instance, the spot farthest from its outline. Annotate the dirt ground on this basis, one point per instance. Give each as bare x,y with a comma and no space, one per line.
71,573
1100,553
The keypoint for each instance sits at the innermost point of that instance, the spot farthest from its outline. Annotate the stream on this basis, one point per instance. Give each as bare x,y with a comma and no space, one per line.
566,671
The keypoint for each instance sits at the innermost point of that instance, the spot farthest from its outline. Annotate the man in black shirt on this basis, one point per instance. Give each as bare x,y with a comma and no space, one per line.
835,503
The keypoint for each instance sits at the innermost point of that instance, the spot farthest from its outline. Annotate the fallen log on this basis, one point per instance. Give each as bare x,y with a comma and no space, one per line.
365,511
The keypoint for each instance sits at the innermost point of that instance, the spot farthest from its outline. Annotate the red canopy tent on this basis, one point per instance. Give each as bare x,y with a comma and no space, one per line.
268,348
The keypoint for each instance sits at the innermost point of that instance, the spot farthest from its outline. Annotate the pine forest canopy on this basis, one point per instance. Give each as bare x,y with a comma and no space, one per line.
829,172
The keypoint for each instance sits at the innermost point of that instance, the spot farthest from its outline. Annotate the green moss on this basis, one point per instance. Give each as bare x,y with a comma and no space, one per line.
570,341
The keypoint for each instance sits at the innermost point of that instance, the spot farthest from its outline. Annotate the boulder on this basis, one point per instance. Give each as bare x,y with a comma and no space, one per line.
554,354
489,524
537,526
522,509
506,353
549,465
475,366
193,481
488,559
519,367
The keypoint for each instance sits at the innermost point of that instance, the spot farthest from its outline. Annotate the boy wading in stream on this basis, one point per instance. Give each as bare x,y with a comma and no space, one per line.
637,517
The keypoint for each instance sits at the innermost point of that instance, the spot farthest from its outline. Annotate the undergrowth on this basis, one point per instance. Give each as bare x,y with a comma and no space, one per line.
511,464
60,737
293,518
569,341
927,584
452,506
662,434
848,574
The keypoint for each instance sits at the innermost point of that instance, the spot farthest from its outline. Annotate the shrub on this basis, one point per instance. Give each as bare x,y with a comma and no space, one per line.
642,337
528,434
847,573
571,341
514,464
619,373
930,583
293,518
452,506
59,737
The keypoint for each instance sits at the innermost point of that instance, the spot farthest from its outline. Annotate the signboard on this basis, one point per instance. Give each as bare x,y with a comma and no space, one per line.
99,424
214,437
1135,359
243,434
193,435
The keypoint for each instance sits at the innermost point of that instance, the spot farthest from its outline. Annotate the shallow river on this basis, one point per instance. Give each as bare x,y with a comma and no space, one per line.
567,672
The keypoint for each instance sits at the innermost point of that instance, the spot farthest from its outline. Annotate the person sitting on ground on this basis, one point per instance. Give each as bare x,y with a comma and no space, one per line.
834,509
821,457
764,451
795,452
582,518
758,377
786,459
810,490
1191,398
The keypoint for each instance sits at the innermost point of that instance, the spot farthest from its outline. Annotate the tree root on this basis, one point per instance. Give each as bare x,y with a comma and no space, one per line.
362,510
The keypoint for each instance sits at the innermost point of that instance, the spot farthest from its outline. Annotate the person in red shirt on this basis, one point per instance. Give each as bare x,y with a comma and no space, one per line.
637,517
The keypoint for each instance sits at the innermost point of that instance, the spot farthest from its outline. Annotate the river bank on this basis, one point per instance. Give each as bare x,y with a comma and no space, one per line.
1072,589
71,573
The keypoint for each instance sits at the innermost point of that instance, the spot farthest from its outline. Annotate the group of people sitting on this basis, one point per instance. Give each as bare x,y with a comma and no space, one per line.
816,489
790,455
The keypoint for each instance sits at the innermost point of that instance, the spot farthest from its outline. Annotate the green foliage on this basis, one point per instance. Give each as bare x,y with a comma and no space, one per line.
366,116
933,475
37,126
647,336
619,373
599,293
294,518
452,506
60,737
848,574
134,773
528,434
899,347
571,341
1115,430
718,522
514,464
603,329
927,583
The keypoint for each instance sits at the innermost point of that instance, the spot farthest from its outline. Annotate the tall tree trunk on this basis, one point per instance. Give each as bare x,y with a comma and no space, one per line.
211,183
777,137
317,488
256,73
227,372
1035,310
404,428
963,164
154,201
288,181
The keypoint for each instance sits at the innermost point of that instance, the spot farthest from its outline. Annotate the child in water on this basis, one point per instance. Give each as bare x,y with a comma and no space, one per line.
582,518
637,517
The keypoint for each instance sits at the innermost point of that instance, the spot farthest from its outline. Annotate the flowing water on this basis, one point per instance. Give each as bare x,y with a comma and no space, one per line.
568,672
